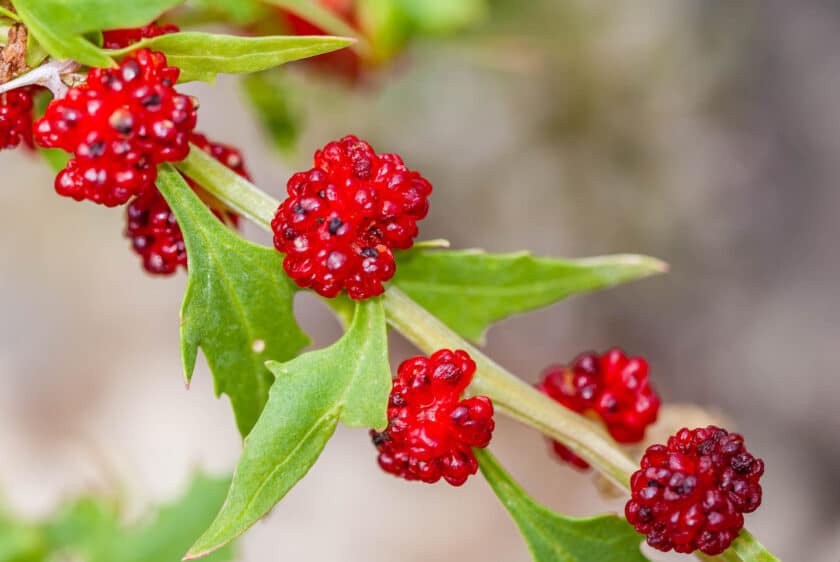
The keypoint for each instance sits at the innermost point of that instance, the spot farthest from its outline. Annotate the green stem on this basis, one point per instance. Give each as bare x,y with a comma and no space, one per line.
509,393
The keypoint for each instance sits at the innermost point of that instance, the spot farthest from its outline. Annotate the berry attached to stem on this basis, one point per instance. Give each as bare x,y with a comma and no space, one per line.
431,431
151,225
691,494
611,388
119,126
344,217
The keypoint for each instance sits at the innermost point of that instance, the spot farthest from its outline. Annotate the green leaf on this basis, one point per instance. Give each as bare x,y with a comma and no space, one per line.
55,38
470,289
554,538
237,306
83,528
20,542
81,16
165,536
201,56
270,96
349,380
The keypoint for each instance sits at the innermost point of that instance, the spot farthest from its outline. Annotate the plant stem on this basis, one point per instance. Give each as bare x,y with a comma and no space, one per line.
509,393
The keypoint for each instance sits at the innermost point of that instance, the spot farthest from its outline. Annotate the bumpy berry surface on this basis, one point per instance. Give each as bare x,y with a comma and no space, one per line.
151,225
612,388
344,217
16,118
119,125
119,38
691,494
431,431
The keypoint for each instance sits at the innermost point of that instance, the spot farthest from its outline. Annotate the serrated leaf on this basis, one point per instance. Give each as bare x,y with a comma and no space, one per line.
271,97
470,289
201,56
237,305
349,380
552,537
55,38
82,16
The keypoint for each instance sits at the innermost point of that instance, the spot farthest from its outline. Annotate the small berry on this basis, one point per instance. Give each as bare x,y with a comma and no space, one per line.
431,431
151,224
344,217
691,494
119,38
119,125
16,118
612,388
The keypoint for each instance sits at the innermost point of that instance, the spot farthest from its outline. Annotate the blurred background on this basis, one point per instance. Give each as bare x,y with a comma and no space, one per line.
704,133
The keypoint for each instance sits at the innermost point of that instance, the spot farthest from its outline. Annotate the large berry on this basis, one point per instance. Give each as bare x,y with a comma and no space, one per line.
16,118
119,125
611,388
691,494
431,431
119,38
344,217
151,224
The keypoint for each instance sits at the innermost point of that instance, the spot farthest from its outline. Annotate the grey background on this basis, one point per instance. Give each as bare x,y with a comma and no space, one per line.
704,133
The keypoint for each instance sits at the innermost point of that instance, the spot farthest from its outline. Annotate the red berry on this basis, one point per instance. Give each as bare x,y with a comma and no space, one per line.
612,388
691,494
151,224
431,432
16,118
119,38
119,125
344,217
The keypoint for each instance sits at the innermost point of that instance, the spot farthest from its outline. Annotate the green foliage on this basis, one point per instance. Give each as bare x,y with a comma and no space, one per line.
82,16
88,529
237,306
552,537
271,97
201,56
233,11
747,549
54,39
470,289
349,381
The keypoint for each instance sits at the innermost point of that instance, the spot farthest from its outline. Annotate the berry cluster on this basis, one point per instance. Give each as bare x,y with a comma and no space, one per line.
151,225
16,118
691,494
612,388
119,125
431,432
119,38
344,217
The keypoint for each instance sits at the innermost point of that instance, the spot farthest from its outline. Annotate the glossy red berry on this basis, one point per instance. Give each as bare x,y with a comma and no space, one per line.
119,38
119,126
431,432
344,217
151,225
611,388
16,118
691,494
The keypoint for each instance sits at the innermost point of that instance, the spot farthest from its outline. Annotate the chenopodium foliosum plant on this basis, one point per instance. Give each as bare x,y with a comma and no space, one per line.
121,132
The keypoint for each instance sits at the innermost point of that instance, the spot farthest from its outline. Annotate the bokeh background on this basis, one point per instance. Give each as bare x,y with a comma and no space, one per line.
705,133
